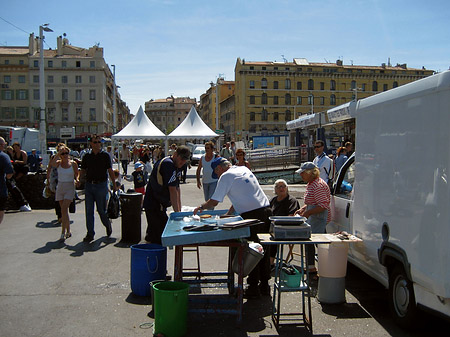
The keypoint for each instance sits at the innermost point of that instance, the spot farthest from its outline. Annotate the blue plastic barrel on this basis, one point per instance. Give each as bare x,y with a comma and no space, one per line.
148,263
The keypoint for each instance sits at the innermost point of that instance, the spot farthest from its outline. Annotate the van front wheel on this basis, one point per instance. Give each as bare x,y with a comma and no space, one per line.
401,297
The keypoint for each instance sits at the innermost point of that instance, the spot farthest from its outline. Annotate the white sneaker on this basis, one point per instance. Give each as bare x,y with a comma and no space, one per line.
25,208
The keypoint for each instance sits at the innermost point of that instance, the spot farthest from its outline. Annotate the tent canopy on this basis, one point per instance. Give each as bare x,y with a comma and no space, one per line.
192,127
140,127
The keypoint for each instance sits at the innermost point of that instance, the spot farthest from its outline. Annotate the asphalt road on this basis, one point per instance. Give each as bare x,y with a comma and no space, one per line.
48,288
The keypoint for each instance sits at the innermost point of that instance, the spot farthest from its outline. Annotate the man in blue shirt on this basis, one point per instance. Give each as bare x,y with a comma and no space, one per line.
6,171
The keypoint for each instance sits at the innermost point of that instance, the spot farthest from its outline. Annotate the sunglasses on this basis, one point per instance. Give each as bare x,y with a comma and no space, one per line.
96,142
64,153
317,146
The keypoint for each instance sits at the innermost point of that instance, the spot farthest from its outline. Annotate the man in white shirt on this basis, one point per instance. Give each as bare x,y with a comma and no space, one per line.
322,161
250,201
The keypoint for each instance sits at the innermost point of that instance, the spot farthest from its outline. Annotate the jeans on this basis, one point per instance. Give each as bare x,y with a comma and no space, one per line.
208,190
124,166
97,193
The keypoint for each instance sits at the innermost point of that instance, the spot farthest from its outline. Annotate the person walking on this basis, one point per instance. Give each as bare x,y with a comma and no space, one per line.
65,191
124,156
249,200
97,166
208,182
323,162
227,153
15,191
34,161
240,159
163,191
6,172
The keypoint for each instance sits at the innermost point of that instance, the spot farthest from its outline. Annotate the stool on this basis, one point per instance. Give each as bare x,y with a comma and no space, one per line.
192,249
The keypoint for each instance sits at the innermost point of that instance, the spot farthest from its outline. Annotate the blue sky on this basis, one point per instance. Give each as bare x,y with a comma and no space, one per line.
178,47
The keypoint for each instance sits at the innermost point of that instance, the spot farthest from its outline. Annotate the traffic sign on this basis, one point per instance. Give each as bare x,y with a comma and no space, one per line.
220,131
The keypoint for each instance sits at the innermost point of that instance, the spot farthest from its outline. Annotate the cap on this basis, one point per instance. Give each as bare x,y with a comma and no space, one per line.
216,162
306,166
32,150
137,165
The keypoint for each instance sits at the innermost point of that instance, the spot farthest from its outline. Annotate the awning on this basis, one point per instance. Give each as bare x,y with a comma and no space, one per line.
303,122
342,112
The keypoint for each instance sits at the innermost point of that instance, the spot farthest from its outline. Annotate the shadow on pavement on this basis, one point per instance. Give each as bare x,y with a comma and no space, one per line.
51,224
77,250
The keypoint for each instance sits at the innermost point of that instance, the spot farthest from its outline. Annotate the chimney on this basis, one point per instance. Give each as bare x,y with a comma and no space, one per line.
339,62
59,46
32,45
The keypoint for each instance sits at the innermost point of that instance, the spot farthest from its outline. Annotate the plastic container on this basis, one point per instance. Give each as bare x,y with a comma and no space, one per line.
170,308
130,204
291,281
333,259
251,258
148,263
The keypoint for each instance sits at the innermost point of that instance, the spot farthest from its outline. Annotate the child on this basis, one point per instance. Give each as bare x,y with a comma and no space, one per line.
139,178
118,177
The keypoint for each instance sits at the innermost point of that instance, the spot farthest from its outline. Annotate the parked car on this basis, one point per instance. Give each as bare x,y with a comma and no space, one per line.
197,154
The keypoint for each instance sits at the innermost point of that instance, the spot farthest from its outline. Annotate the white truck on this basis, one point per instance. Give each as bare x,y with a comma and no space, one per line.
394,194
27,137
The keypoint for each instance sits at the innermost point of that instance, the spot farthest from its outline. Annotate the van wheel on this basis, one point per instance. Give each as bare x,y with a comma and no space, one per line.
401,297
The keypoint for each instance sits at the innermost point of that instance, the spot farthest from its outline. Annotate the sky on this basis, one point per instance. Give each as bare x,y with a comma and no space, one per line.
177,47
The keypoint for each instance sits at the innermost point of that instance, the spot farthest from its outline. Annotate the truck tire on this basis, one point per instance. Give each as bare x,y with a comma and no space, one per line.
402,302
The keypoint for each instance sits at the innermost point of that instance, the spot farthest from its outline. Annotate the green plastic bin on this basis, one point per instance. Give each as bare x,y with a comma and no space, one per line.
170,308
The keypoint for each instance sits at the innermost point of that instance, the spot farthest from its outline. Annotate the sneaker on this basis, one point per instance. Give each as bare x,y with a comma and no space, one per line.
252,292
88,238
25,208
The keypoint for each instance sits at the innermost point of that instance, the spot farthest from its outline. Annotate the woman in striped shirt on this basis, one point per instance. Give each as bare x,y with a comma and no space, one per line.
317,204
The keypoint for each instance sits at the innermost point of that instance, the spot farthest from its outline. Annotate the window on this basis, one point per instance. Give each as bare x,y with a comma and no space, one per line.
310,84
92,64
374,86
65,115
299,85
287,99
50,94
78,64
287,115
252,115
275,100
7,94
64,64
65,94
264,99
8,113
6,62
345,191
93,128
395,84
332,85
51,114
22,113
64,79
287,83
50,64
21,78
363,87
21,62
275,84
35,78
322,86
50,79
7,79
322,100
252,99
385,87
91,79
275,116
37,114
78,95
92,95
22,94
252,84
299,100
36,63
92,115
264,83
333,100
264,115
263,68
36,94
78,79
353,85
78,114
311,99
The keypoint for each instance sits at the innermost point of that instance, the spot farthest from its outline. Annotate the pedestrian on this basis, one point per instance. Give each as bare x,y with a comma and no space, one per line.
124,157
6,172
139,179
34,161
208,182
240,159
227,153
163,191
20,160
349,148
110,152
341,158
52,181
15,191
317,205
250,201
65,191
97,166
233,150
323,162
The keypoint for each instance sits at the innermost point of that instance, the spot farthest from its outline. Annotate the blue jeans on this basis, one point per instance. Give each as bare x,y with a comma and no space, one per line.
97,193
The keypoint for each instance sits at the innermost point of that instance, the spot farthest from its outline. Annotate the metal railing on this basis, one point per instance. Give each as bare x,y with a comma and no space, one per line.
276,158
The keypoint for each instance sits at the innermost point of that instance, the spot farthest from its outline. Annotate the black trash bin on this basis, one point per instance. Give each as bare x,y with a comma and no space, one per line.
130,203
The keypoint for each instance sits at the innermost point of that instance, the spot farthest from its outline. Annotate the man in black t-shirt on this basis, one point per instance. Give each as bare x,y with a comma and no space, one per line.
97,165
163,190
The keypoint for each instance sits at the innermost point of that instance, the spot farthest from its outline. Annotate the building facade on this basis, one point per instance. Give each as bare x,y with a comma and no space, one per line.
168,113
79,89
270,94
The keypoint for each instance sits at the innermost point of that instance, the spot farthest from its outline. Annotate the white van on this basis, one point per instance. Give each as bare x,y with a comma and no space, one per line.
394,194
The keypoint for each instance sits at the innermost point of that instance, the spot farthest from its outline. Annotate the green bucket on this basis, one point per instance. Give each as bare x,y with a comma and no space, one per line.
170,308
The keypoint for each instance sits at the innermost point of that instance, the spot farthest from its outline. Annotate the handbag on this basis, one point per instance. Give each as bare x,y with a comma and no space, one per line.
113,205
72,206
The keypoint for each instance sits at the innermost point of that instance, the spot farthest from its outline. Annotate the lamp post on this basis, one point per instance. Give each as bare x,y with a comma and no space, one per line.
42,125
114,99
355,90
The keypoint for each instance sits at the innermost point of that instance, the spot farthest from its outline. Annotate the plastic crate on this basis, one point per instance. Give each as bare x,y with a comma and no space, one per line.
291,281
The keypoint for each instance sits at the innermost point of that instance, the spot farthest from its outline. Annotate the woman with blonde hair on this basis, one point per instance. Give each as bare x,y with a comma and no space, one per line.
240,159
65,190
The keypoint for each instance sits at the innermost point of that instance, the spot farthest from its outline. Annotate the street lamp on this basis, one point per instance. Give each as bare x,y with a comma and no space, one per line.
42,125
355,90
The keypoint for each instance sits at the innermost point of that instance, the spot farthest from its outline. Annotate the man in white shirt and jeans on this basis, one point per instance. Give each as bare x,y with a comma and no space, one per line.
323,162
250,201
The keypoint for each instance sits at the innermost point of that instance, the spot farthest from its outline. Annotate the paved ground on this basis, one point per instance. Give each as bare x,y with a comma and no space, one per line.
49,288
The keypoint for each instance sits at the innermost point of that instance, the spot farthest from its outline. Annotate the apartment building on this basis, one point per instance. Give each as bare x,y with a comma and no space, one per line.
79,88
269,94
168,113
